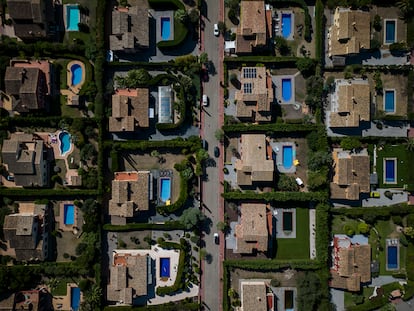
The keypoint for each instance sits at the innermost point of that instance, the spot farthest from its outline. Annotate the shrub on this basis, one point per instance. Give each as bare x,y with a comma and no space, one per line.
287,183
363,228
397,219
306,66
348,230
377,23
403,240
350,143
274,283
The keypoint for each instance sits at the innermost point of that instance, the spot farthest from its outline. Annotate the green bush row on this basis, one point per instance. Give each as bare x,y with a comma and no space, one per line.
410,262
378,212
322,232
40,192
166,4
171,306
319,31
167,226
277,196
272,127
272,265
193,143
149,65
286,61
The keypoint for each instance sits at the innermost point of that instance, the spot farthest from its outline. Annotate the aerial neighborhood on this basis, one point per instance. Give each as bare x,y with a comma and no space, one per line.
246,155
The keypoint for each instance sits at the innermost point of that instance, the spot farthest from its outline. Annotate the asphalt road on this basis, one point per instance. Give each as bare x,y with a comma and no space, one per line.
211,285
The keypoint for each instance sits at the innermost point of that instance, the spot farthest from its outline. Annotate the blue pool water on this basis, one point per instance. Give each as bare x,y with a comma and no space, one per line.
287,157
389,98
69,214
286,25
392,256
165,189
165,267
389,31
165,28
72,18
287,89
75,298
65,143
76,70
390,170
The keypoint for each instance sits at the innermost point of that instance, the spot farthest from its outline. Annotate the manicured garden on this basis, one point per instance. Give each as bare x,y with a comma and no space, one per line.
297,248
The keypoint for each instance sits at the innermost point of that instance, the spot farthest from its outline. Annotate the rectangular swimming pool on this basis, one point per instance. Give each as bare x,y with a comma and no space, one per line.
287,221
392,257
165,189
72,18
286,25
165,267
389,101
165,28
75,298
286,89
389,32
287,157
390,170
69,214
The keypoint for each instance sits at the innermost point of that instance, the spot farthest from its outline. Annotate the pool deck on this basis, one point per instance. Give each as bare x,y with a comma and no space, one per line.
292,23
280,234
278,150
157,16
72,90
277,81
396,243
64,302
385,171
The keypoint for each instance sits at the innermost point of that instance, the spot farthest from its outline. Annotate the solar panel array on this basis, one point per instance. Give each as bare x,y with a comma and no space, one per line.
249,73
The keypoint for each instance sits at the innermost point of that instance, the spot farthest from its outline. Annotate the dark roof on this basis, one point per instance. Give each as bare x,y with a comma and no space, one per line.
29,31
24,9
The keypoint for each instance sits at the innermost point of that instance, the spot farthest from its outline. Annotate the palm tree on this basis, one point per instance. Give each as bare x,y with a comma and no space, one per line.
406,9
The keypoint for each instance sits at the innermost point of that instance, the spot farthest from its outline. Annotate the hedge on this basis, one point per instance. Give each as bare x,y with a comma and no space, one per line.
276,196
272,127
150,65
41,192
276,60
193,143
409,262
319,31
322,233
167,226
272,265
166,4
380,212
180,306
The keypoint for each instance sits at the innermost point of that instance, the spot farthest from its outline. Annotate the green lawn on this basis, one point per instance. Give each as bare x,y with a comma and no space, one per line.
297,248
405,165
60,289
339,222
349,297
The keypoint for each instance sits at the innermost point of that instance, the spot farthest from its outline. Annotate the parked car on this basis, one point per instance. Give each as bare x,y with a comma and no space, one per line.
216,151
216,30
205,100
216,238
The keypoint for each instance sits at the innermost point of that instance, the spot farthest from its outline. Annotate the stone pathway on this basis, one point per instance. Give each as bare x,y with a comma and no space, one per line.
312,223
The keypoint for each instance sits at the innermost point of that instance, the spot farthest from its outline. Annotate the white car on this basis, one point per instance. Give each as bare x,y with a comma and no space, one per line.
205,100
216,238
216,30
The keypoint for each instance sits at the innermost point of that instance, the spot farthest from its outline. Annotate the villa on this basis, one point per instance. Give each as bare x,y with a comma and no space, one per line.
27,87
252,233
350,32
351,259
131,193
255,96
255,295
27,232
129,275
252,32
31,18
350,104
25,156
255,164
129,110
34,300
130,29
351,174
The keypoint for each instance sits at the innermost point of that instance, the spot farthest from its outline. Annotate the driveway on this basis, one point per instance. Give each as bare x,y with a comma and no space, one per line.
212,119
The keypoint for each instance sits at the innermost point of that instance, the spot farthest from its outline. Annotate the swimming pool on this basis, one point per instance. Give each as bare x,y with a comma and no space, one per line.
165,28
286,25
75,298
392,257
65,144
390,170
165,267
76,70
165,189
389,101
68,214
287,221
287,89
389,32
72,17
287,157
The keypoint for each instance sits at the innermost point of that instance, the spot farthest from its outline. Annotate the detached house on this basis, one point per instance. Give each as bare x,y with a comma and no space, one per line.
350,104
31,18
256,295
130,29
26,157
349,33
252,233
27,232
27,88
252,32
351,174
131,193
255,96
255,164
130,110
